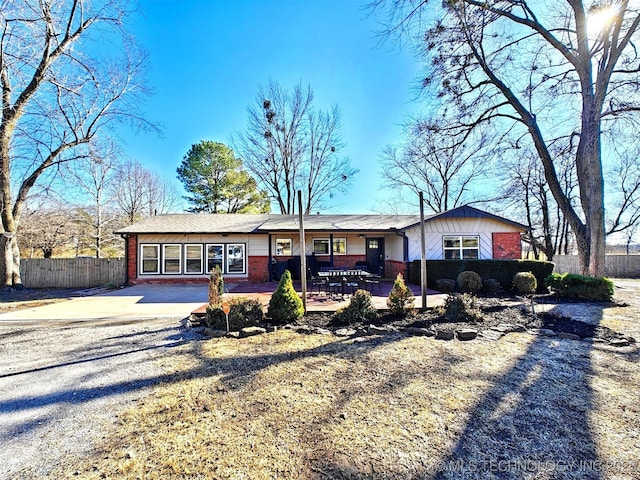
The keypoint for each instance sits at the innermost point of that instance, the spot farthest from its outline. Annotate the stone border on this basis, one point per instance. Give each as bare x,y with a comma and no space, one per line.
463,334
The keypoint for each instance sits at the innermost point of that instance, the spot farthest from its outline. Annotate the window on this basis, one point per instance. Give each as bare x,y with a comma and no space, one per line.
461,247
321,246
235,258
215,255
150,262
171,259
283,246
193,259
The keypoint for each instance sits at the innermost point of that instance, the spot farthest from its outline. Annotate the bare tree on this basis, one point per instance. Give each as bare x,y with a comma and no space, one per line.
542,73
427,163
288,145
47,226
139,192
94,177
58,94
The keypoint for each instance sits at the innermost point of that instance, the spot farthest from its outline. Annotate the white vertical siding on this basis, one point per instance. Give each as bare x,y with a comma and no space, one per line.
436,229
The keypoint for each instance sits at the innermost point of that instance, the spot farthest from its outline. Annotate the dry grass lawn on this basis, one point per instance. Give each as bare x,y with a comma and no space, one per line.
292,406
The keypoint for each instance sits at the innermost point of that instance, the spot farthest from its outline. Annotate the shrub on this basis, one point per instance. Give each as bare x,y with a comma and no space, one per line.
525,283
461,308
243,312
491,286
593,289
216,286
502,270
400,297
285,305
469,281
445,285
360,308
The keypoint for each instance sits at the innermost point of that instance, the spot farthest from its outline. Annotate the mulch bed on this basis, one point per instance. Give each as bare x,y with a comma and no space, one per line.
495,312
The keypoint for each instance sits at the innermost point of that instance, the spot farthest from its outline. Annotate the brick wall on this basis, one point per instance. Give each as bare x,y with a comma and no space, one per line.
507,245
392,268
132,256
258,269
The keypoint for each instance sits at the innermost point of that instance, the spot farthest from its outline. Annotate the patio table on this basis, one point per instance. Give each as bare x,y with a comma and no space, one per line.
344,277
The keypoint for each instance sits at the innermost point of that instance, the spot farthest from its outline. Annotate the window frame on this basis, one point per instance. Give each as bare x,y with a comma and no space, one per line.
208,258
142,258
460,248
283,240
165,246
243,248
336,241
187,247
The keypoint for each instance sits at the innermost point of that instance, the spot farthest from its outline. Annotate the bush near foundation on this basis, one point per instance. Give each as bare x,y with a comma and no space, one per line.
285,305
461,308
502,270
400,297
360,308
445,285
593,289
243,312
469,282
525,283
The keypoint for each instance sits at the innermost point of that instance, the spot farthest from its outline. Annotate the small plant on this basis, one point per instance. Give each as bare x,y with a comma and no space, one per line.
491,286
461,308
469,282
243,312
593,289
445,285
360,308
285,305
216,286
525,283
400,297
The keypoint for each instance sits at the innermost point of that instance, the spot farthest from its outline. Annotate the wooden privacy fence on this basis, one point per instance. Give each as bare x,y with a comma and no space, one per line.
621,266
72,272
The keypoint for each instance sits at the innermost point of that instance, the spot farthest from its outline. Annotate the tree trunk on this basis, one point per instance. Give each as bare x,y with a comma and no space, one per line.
10,260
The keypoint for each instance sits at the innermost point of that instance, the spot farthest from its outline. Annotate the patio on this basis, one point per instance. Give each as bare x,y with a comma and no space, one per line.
323,302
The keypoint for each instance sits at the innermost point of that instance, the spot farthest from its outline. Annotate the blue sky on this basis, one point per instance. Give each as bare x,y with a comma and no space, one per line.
207,59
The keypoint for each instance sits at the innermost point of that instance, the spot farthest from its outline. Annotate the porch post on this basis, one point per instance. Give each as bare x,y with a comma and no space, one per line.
423,256
269,269
331,249
303,254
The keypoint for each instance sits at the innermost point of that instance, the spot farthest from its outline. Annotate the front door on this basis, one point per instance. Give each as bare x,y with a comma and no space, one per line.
375,255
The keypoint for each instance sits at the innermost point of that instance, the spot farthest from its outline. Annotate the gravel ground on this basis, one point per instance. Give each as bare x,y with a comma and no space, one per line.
55,374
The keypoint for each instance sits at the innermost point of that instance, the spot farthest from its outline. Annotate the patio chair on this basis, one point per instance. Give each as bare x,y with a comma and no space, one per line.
317,282
374,279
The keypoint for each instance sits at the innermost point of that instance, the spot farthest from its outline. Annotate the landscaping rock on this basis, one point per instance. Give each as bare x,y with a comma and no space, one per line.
213,333
251,331
233,334
466,334
569,336
304,329
345,332
490,335
543,332
619,342
375,330
419,331
323,331
444,335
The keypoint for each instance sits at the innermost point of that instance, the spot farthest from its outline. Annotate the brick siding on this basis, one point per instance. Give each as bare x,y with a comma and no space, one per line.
507,245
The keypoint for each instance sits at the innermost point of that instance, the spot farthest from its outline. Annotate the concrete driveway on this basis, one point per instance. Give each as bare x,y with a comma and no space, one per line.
139,301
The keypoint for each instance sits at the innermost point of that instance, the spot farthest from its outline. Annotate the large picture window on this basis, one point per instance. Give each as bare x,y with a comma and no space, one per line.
461,247
193,259
171,259
321,246
230,257
150,259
